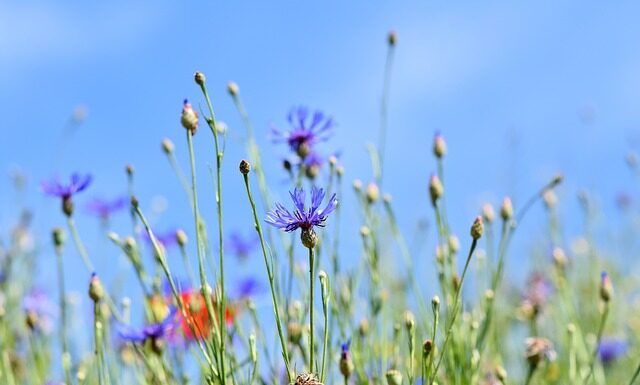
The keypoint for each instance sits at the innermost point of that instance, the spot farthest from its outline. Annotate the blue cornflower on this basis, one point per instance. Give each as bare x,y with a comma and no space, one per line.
241,246
104,208
55,188
39,310
153,332
304,132
248,287
283,219
611,349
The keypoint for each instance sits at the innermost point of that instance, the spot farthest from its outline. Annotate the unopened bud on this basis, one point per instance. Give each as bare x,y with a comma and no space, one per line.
454,244
559,258
549,198
436,190
394,377
487,213
130,169
364,231
181,237
189,117
392,38
606,288
439,146
357,185
409,320
294,331
556,181
199,78
96,291
506,210
373,193
339,170
427,347
245,167
232,88
435,303
477,228
167,146
58,236
363,327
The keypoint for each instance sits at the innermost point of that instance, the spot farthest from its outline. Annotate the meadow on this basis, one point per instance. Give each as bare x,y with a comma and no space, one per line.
385,317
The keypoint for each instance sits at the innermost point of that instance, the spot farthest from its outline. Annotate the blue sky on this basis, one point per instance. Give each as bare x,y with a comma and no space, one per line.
519,90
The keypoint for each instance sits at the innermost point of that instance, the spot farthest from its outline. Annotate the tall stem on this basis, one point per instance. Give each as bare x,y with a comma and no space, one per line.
311,291
384,105
274,298
221,303
63,318
603,321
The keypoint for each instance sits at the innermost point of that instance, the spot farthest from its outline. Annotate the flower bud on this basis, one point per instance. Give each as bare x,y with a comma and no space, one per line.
245,167
559,258
181,237
189,117
232,88
339,170
346,362
506,210
309,238
130,169
454,244
167,146
253,350
363,327
394,377
436,190
439,146
392,38
364,231
435,303
427,347
606,289
409,321
199,78
357,185
373,193
294,331
58,236
96,291
549,198
556,180
477,228
487,213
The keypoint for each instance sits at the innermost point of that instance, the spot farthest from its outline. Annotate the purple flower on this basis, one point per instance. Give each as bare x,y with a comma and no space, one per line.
241,246
306,130
305,220
104,208
55,188
345,347
155,331
611,349
39,309
248,287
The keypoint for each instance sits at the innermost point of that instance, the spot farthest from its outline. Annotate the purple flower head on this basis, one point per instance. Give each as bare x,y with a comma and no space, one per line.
306,130
155,331
538,290
104,208
39,309
248,287
55,188
345,347
241,246
611,349
283,219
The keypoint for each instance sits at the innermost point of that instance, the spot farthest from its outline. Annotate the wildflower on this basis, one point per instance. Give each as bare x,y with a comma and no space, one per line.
247,288
304,133
104,208
189,117
346,362
155,332
198,316
611,349
39,310
55,188
241,246
606,289
538,349
305,220
536,294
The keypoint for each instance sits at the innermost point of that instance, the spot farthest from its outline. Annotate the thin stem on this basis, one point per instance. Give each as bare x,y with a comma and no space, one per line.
532,370
384,110
594,356
311,291
221,303
97,330
635,375
196,214
63,317
326,297
274,298
455,310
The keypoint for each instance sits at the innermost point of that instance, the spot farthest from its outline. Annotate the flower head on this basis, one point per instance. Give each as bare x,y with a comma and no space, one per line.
56,188
104,208
305,220
306,130
248,287
240,245
538,349
153,332
39,310
198,316
611,349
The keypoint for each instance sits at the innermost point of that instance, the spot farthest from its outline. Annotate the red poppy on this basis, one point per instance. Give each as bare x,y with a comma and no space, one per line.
196,310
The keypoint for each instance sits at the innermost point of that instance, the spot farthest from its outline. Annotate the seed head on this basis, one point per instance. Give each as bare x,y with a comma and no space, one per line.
245,167
477,228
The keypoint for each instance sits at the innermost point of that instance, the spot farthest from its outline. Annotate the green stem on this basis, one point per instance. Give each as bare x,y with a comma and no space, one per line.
221,303
594,356
311,291
384,110
635,375
63,317
326,297
274,298
455,310
97,330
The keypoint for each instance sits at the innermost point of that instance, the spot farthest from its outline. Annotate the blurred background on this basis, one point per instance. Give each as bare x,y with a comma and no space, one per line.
520,92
